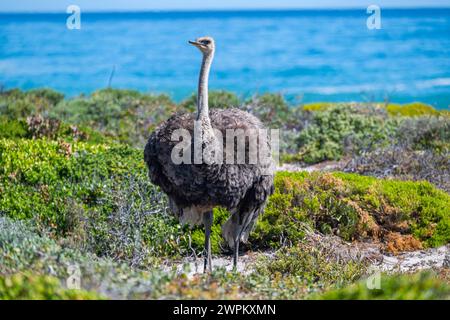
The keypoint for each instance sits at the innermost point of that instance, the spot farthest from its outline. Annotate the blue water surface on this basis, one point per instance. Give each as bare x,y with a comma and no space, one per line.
306,55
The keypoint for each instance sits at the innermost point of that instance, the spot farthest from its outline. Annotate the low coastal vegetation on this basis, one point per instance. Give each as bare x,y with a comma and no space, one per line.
419,286
102,190
74,191
311,133
39,287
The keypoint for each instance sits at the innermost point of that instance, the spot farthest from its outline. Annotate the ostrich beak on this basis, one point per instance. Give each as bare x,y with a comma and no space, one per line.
195,43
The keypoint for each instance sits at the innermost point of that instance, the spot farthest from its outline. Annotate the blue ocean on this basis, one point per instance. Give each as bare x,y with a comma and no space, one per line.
306,55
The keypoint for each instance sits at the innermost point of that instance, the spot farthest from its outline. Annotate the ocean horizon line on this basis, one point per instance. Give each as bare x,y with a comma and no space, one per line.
231,10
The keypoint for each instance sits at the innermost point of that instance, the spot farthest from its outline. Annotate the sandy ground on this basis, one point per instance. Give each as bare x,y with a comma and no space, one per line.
192,266
416,260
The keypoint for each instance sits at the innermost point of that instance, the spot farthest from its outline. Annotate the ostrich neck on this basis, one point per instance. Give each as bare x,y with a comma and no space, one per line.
208,139
202,102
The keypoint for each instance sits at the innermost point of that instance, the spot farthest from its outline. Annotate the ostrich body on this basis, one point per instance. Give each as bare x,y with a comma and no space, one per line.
194,189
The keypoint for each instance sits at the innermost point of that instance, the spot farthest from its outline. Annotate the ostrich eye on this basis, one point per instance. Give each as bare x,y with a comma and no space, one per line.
205,42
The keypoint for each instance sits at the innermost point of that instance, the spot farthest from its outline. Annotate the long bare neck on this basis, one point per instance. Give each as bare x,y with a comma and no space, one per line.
202,100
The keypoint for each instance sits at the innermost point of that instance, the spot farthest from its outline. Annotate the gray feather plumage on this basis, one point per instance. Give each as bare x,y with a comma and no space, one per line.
241,188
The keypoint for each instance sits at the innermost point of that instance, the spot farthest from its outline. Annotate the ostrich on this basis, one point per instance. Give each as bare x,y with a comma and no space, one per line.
195,189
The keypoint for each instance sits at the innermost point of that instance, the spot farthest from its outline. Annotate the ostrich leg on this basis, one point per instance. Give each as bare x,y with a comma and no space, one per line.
237,239
207,221
235,253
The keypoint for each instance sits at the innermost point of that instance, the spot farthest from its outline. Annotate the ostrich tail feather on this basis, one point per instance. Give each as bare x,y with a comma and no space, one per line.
228,231
232,229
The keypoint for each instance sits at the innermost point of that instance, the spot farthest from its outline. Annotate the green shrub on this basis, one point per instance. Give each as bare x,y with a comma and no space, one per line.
135,226
402,215
418,150
47,179
271,109
37,126
425,133
11,129
312,263
419,286
23,250
393,109
411,110
331,132
33,287
216,99
318,106
38,177
353,207
126,115
17,104
403,163
98,194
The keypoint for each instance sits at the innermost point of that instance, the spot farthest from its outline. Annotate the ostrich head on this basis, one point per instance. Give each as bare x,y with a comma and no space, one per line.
204,44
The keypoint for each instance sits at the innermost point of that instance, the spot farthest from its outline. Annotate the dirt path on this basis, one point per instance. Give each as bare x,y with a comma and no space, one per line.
416,260
192,266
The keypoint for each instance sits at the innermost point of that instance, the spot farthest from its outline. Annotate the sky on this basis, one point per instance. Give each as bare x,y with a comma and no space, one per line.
138,5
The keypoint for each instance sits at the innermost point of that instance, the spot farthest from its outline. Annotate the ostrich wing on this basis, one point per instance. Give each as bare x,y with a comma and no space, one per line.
202,185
